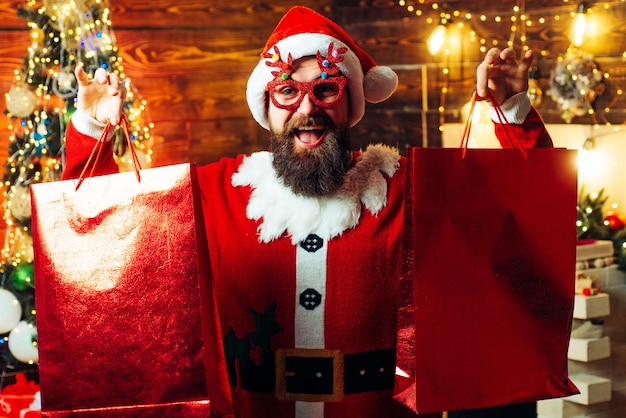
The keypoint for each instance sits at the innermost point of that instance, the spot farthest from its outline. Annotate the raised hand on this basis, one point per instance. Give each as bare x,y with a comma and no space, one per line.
102,97
502,74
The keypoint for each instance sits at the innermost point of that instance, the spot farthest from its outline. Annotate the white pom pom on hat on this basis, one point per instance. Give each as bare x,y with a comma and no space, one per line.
304,32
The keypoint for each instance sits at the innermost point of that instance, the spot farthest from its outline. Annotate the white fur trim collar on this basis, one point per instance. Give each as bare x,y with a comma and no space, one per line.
329,216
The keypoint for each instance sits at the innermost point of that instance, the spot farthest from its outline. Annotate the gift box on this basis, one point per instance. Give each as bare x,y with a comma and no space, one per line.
20,399
124,297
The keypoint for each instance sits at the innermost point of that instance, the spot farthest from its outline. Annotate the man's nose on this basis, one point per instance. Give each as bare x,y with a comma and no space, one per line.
307,106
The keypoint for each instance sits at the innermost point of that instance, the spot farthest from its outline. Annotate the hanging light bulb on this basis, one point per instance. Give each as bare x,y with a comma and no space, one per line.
579,25
437,38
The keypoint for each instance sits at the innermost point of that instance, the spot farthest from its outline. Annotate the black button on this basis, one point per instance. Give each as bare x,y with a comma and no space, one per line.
312,243
310,299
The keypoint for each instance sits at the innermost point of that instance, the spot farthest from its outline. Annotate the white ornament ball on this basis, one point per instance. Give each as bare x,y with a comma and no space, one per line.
22,343
18,200
10,311
65,84
20,101
24,245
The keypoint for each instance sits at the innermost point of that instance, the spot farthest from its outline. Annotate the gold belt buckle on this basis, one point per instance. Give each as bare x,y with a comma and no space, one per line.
282,373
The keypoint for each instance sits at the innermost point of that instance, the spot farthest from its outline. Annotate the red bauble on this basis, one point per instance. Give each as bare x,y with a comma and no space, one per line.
615,220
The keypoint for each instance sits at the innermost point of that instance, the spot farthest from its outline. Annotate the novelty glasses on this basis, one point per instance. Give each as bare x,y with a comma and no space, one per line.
324,92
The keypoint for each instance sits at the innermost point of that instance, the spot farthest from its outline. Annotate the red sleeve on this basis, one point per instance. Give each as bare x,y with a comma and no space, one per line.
532,133
78,148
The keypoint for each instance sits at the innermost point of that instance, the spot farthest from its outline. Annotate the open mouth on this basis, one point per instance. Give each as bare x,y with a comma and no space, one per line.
309,136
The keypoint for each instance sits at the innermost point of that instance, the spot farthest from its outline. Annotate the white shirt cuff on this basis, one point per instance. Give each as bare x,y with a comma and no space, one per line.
515,109
89,126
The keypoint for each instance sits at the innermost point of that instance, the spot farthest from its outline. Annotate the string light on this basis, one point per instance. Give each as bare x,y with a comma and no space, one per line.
516,20
520,17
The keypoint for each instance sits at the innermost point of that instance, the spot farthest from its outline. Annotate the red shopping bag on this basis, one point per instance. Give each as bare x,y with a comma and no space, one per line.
124,297
491,234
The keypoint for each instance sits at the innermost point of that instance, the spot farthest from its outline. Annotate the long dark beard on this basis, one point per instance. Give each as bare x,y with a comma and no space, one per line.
311,172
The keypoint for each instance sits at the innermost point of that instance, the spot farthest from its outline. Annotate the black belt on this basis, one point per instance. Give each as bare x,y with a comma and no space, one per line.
316,374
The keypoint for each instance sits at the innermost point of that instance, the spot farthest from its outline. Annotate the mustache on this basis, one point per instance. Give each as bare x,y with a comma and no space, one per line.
299,122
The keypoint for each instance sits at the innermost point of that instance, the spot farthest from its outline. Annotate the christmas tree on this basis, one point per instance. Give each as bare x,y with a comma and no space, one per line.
64,34
596,223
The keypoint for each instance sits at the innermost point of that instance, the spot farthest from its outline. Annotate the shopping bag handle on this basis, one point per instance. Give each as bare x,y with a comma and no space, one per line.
97,151
513,141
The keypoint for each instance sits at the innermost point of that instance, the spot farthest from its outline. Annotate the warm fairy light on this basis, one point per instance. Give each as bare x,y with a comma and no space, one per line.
514,19
568,10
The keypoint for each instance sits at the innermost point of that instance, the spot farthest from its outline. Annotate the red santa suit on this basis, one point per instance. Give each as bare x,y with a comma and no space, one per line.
306,287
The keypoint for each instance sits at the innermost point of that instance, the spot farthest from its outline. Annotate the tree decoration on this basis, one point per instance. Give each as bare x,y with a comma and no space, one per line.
575,83
65,84
615,220
20,101
23,343
10,311
18,202
590,223
23,277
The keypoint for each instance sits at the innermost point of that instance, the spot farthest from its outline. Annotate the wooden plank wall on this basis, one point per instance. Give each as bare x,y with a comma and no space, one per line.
190,61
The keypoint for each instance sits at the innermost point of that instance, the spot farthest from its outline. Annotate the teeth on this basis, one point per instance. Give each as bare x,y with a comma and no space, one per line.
308,128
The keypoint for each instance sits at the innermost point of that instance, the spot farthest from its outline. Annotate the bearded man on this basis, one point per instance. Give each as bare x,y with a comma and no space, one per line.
305,239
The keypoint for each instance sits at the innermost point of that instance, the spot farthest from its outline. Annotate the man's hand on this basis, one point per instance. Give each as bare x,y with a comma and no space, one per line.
101,98
502,74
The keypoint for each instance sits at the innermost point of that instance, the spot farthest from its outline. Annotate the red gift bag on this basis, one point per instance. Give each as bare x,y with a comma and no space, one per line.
124,297
491,268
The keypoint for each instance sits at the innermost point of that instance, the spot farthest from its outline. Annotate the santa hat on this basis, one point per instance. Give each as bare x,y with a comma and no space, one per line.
304,32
